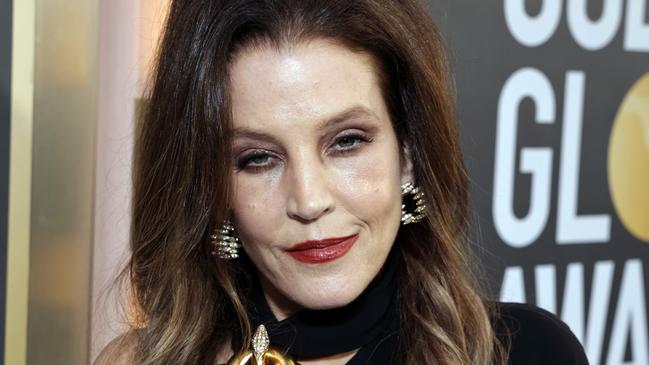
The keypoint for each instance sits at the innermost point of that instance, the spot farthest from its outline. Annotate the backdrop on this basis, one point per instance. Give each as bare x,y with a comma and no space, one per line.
5,113
553,100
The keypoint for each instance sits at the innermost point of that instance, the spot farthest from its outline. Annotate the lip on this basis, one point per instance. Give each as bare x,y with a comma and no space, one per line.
321,251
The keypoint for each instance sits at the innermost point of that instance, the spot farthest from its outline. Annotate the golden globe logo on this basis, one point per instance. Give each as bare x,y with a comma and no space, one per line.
628,160
612,306
600,294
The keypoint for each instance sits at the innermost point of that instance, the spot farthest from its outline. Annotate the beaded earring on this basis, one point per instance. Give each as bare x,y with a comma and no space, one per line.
413,211
226,242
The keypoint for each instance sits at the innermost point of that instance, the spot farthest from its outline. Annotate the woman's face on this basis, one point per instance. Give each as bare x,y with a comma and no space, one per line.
317,174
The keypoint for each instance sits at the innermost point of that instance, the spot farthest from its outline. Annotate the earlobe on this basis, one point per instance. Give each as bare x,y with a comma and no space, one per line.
407,174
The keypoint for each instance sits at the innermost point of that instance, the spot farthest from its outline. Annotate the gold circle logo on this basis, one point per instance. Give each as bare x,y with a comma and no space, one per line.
628,160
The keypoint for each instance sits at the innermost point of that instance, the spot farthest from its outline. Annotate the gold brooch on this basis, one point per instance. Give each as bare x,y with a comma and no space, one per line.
261,353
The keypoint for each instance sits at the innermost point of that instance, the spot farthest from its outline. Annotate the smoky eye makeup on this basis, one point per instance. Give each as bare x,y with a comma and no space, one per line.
256,160
347,142
254,154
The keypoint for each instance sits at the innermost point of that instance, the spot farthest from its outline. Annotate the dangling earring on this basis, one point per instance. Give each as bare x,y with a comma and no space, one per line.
226,242
419,204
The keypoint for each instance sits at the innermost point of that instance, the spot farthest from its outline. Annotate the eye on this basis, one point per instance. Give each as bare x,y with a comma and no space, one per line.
255,161
350,142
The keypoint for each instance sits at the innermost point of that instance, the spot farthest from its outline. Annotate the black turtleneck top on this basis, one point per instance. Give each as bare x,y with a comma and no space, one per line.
370,324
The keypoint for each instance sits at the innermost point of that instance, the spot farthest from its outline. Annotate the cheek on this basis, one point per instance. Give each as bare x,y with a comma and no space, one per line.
251,201
369,186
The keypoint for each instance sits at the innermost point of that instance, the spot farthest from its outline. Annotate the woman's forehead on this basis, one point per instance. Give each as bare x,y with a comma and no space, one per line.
310,81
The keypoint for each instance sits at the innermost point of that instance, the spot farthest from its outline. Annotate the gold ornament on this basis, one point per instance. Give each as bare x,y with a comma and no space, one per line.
226,242
261,353
419,211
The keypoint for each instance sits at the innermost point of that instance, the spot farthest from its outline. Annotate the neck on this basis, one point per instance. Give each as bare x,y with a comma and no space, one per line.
329,336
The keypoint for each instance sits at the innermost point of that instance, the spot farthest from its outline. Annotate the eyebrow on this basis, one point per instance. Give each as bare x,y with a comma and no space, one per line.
354,112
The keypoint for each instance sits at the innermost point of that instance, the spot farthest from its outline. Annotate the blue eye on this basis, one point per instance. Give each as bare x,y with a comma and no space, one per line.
350,142
256,160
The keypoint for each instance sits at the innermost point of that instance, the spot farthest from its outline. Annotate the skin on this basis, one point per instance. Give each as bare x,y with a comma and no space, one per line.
315,157
319,171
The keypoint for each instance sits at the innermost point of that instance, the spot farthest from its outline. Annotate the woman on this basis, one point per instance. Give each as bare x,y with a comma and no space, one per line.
279,143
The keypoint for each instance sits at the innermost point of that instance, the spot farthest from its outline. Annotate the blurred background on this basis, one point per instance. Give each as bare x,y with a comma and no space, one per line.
553,102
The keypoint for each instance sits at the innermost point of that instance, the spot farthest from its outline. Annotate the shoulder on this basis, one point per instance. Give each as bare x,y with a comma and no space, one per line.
537,336
119,351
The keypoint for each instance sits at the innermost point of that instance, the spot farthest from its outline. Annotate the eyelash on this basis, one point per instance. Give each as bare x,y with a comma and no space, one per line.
244,162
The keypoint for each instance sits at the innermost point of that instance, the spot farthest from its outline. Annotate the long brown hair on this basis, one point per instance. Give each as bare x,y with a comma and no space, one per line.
188,301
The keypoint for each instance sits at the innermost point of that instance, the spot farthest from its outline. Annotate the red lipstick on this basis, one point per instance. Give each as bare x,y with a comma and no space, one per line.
321,251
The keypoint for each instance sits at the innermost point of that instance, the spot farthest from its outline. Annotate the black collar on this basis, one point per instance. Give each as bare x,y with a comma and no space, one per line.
368,323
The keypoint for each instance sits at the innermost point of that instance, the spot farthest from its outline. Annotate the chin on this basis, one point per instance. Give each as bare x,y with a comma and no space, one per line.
330,295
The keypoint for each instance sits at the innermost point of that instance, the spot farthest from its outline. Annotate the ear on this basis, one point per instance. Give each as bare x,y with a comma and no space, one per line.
407,174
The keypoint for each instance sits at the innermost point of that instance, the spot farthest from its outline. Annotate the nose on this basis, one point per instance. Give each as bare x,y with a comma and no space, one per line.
309,191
